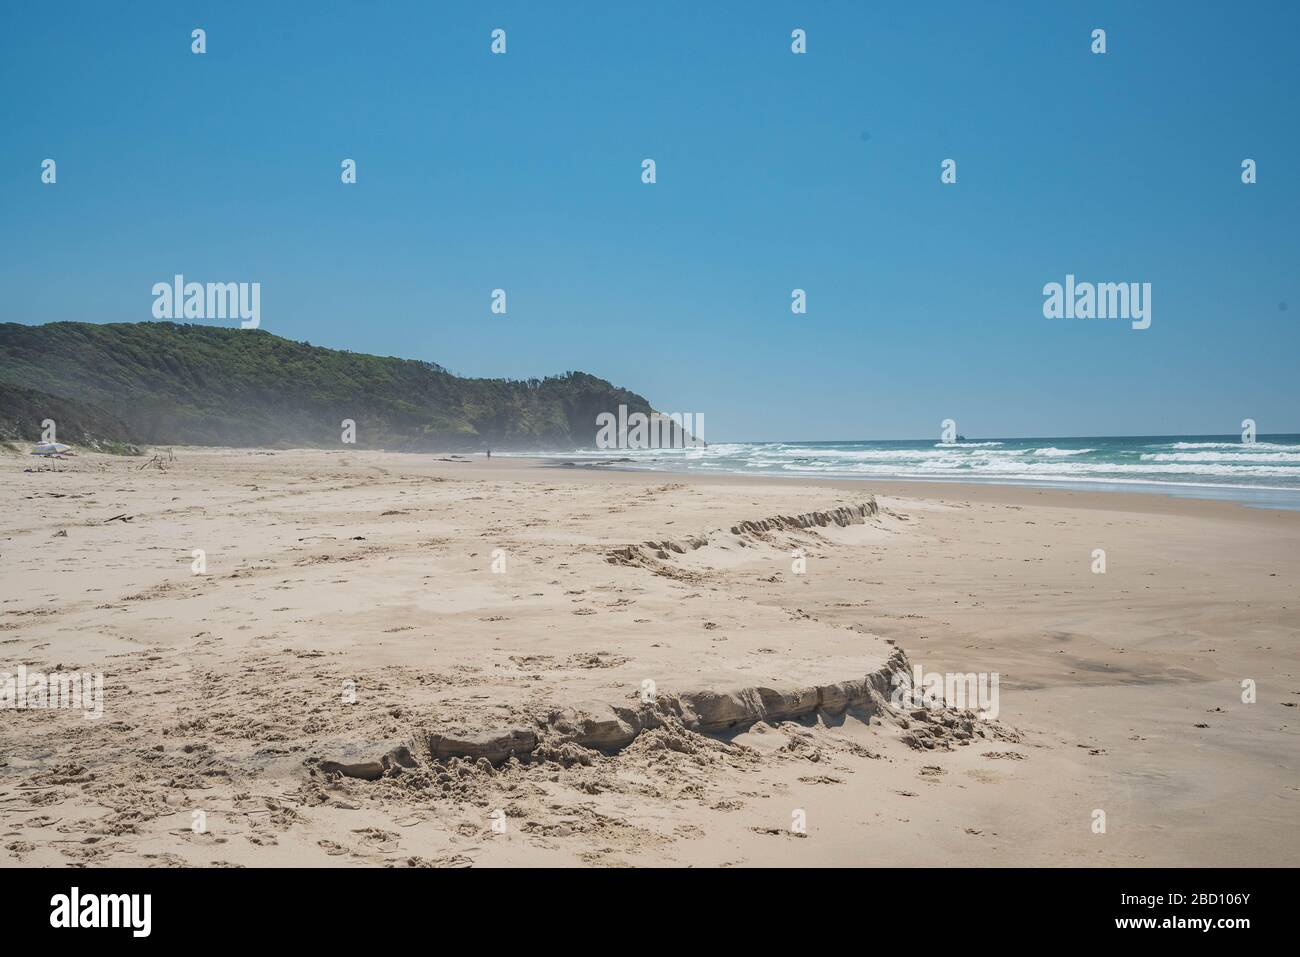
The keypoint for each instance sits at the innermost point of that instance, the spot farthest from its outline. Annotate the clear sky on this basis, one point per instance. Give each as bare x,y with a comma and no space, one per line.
775,171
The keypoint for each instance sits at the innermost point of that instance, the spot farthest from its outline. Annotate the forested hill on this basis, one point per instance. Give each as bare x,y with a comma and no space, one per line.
181,384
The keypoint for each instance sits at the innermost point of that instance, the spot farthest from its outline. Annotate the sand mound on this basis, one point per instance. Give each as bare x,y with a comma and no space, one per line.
650,554
611,727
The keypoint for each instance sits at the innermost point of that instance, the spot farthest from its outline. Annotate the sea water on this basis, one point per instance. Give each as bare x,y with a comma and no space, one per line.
1264,473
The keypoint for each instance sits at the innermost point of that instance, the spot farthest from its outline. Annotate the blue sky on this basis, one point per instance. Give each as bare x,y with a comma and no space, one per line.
775,171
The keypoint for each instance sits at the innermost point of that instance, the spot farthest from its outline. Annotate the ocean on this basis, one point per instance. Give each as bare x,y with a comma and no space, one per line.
1265,473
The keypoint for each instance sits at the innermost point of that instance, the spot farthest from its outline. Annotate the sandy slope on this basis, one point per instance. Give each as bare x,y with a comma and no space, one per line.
327,571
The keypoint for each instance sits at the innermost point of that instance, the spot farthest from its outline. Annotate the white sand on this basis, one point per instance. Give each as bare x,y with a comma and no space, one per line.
224,690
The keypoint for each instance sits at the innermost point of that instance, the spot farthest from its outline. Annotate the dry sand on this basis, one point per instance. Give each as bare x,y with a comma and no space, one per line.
328,571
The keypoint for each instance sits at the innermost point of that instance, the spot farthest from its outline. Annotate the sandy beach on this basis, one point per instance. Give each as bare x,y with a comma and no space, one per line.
620,631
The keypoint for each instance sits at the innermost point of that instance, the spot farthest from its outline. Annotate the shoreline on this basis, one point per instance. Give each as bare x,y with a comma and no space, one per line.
1133,499
1273,498
1265,498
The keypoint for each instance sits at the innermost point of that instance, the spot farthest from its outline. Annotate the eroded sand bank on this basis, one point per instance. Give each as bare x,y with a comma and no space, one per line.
354,603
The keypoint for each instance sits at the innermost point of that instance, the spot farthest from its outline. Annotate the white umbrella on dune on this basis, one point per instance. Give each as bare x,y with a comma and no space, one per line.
51,448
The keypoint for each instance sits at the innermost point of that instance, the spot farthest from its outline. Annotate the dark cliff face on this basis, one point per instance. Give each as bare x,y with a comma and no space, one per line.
163,382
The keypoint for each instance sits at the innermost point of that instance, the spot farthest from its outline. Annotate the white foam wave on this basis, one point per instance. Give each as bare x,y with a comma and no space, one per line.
1239,446
1244,457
